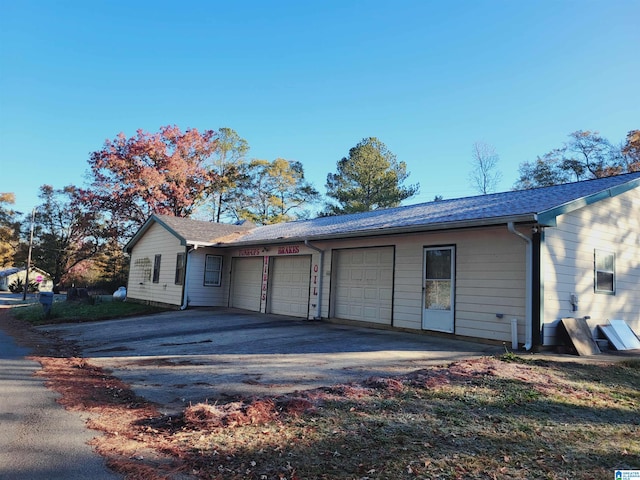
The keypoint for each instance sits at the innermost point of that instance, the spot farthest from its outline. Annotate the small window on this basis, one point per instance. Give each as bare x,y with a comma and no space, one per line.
156,268
605,272
212,271
179,269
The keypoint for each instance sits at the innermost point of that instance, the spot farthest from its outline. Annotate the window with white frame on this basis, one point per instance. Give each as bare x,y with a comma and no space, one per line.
212,271
604,272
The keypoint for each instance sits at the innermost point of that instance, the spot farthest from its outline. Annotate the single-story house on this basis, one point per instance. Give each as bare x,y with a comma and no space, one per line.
486,267
13,274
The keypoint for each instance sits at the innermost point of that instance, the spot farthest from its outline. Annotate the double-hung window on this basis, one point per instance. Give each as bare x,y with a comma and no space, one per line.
212,271
604,272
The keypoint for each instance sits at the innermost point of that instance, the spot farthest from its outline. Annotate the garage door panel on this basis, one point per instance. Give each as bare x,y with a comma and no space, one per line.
371,276
289,286
386,294
371,294
246,283
372,258
355,293
364,284
356,275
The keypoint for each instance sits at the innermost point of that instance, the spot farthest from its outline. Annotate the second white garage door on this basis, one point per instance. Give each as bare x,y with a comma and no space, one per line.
246,283
364,284
289,286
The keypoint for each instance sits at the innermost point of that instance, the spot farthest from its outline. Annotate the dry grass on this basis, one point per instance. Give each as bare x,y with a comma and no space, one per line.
489,418
482,419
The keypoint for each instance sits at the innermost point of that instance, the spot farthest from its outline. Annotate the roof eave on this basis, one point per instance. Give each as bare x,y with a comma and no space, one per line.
525,218
548,218
199,243
150,221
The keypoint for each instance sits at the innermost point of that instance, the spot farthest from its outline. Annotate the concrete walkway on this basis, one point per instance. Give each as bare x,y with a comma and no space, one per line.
39,439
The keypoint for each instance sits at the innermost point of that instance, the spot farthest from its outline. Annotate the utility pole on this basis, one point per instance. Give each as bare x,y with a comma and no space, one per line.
26,276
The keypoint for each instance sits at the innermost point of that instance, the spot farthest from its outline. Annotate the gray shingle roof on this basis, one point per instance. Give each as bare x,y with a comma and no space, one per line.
522,205
198,231
539,205
192,232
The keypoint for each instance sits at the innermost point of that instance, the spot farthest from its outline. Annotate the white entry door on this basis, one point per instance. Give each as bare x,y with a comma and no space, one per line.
439,289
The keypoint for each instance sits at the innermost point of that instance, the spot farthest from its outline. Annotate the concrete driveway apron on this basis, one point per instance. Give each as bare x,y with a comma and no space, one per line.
180,358
39,440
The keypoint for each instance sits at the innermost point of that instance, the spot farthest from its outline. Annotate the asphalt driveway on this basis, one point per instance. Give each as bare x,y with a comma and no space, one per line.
182,357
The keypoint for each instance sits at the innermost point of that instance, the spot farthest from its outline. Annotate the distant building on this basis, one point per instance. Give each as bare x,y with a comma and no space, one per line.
10,275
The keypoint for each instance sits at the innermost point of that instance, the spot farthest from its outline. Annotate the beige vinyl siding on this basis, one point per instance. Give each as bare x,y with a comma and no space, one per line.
490,279
156,241
407,302
611,225
199,294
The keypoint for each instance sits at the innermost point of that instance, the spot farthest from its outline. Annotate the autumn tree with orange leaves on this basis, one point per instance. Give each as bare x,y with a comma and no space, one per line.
163,172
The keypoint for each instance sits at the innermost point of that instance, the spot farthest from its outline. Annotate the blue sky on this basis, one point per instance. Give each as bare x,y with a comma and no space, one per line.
307,81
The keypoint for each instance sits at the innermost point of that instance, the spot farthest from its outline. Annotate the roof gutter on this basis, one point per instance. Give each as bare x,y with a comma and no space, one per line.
528,293
368,232
318,314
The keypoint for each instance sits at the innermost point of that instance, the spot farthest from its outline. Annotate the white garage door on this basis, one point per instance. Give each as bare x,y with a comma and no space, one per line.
364,284
246,283
289,286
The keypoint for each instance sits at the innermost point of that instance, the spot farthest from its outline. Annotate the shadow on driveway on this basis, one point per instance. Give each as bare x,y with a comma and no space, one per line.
179,358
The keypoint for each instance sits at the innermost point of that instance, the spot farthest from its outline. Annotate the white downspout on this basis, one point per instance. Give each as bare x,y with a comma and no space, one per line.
528,293
185,296
321,275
